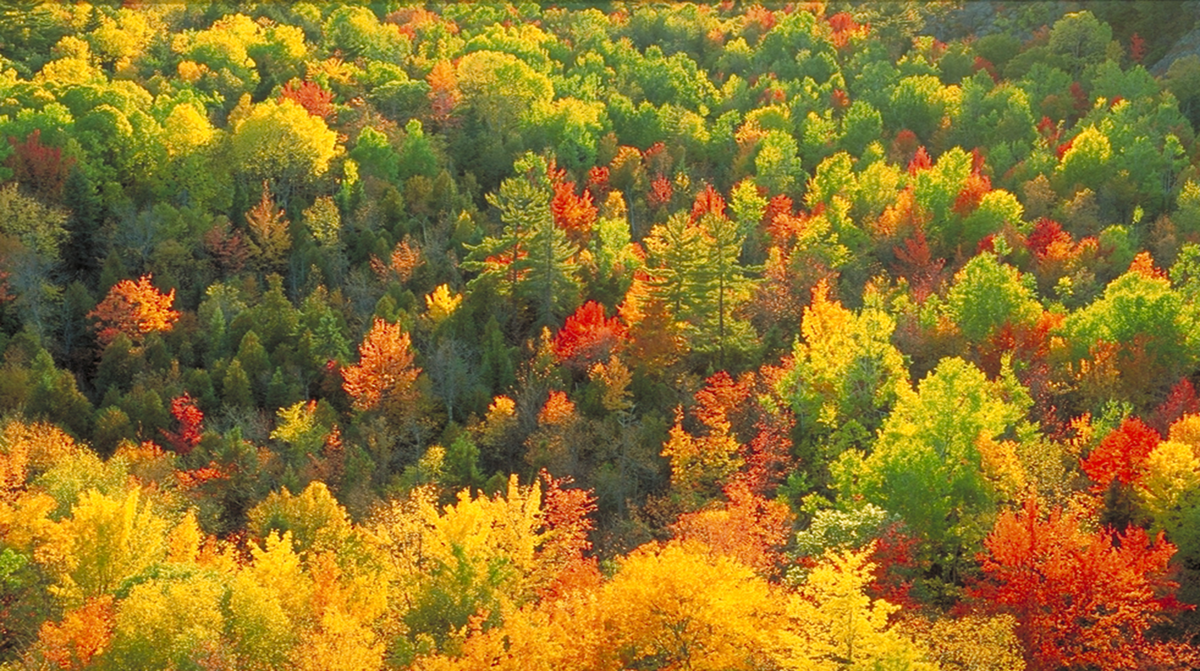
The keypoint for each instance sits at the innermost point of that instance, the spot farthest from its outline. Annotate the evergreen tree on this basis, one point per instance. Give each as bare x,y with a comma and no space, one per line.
700,277
81,253
531,261
497,369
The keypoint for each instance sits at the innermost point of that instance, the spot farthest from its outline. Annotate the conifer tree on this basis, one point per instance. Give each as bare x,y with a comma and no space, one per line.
701,278
531,261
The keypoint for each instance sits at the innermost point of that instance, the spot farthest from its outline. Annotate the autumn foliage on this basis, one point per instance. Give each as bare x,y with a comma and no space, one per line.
573,213
1082,599
133,309
309,95
647,335
588,336
384,375
189,418
1121,456
40,168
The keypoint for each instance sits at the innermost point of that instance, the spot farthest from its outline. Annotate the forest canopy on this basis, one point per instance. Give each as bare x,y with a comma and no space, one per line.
620,335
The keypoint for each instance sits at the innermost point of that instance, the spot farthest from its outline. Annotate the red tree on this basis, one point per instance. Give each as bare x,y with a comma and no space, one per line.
1121,456
660,191
1137,48
1082,599
184,410
920,161
708,201
587,336
41,169
1181,401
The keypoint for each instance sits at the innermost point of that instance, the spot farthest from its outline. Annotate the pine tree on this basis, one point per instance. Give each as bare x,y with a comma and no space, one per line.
700,277
531,261
498,372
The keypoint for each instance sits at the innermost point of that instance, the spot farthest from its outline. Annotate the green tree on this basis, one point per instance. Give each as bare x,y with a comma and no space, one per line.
927,467
500,87
1148,321
1088,162
531,260
357,32
845,375
988,294
918,103
81,253
1183,79
1081,38
699,275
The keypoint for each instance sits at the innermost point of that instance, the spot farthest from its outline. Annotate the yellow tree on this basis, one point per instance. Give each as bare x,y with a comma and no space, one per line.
472,563
106,540
837,626
279,141
846,372
679,606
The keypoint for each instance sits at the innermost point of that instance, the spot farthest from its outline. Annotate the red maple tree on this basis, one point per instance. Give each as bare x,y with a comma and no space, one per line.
39,168
588,336
1121,456
1081,598
190,417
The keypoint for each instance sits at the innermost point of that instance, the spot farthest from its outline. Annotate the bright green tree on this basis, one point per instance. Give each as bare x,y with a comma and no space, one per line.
988,294
927,467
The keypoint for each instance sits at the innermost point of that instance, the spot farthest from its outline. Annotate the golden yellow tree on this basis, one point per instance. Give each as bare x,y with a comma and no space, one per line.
679,606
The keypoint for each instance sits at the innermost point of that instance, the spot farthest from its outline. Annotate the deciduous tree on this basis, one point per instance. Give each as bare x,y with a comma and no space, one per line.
134,309
1081,598
384,375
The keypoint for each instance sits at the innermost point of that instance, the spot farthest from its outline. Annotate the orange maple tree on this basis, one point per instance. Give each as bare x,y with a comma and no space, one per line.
708,201
135,309
83,634
384,375
655,340
573,213
1081,598
309,95
747,527
444,94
